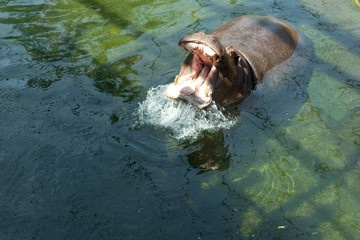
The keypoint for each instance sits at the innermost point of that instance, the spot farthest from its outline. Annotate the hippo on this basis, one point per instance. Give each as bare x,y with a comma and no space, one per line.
227,64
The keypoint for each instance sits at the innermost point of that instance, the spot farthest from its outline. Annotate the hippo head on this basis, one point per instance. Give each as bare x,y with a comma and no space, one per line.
211,72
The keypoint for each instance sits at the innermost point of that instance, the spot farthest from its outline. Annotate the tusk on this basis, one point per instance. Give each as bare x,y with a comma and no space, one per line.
176,80
191,46
207,91
208,51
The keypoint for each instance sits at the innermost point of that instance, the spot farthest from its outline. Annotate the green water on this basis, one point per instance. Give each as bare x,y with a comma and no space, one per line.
74,164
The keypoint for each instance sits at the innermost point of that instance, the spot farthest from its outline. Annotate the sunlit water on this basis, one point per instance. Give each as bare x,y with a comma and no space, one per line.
90,147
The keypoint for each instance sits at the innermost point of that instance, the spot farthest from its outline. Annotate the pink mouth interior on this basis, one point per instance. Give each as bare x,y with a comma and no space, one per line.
196,83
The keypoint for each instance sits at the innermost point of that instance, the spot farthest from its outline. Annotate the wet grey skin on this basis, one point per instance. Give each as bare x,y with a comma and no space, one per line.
225,65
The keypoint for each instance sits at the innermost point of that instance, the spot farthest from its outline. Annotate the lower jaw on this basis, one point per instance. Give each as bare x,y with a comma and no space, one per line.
199,101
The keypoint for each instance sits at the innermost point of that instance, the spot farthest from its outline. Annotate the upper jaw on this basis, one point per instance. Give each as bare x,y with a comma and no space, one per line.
196,82
209,41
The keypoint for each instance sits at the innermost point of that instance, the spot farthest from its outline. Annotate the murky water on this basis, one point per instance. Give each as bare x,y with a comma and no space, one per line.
90,148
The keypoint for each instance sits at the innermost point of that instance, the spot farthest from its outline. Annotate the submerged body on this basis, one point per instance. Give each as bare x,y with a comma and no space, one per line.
226,65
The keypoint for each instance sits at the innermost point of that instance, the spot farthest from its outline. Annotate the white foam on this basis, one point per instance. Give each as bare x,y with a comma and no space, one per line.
183,120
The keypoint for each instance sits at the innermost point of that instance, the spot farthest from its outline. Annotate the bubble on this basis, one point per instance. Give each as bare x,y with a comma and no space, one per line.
182,120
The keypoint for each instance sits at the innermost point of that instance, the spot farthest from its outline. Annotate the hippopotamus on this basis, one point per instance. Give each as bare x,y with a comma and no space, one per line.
227,64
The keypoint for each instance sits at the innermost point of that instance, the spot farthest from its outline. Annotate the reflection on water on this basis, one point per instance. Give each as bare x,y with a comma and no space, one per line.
113,78
76,75
210,154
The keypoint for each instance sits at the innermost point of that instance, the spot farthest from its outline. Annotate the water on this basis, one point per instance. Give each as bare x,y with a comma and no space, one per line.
183,120
84,154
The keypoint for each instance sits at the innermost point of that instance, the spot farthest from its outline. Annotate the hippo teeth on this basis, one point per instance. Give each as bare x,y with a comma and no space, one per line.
207,91
176,81
208,51
204,91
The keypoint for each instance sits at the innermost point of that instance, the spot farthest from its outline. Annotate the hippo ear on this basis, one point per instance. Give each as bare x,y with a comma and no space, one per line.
242,67
230,51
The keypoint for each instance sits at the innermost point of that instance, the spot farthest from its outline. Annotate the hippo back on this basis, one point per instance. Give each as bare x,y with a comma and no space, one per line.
264,41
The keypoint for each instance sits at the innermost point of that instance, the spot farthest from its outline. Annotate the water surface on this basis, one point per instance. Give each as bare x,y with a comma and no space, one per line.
80,158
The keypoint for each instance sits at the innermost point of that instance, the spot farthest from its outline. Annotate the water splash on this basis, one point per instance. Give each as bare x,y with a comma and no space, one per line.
183,120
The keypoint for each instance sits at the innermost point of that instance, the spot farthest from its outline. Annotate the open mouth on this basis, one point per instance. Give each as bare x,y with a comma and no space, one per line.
196,82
